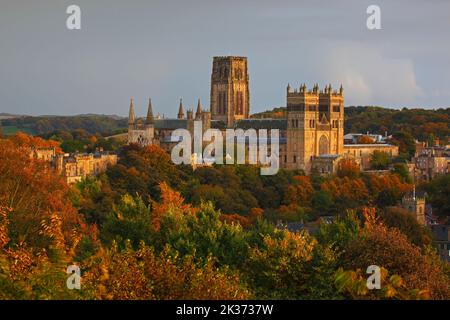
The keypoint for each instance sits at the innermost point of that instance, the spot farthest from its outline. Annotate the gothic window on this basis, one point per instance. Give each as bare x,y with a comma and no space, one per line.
323,145
336,108
142,140
295,159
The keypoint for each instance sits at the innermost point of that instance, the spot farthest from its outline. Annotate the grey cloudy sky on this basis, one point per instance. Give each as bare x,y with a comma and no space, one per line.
164,49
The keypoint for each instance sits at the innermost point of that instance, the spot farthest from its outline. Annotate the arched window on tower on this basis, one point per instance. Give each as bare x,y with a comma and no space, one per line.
323,145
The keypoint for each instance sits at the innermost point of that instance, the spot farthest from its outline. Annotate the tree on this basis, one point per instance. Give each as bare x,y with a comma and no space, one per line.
365,140
438,194
389,248
299,192
380,160
395,217
130,220
406,143
348,167
277,271
144,274
401,169
35,194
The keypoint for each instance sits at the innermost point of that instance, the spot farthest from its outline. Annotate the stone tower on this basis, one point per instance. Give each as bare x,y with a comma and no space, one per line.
142,134
230,98
315,125
415,205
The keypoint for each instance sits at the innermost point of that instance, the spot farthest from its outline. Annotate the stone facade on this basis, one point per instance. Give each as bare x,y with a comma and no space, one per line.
430,162
230,95
364,152
415,205
75,167
313,130
78,166
315,125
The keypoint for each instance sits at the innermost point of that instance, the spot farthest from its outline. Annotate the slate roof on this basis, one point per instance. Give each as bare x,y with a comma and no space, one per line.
170,124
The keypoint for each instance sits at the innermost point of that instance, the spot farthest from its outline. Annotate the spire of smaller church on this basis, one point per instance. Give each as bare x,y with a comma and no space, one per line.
131,116
150,118
198,113
181,110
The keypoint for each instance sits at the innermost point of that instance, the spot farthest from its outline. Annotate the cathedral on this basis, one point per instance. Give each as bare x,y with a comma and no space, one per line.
311,134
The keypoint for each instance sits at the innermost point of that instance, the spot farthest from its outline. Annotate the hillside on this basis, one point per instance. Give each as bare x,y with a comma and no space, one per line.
103,124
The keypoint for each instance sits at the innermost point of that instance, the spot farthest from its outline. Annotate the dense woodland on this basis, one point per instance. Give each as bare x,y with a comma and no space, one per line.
147,229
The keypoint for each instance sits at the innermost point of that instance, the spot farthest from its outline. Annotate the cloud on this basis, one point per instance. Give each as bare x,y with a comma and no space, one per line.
370,76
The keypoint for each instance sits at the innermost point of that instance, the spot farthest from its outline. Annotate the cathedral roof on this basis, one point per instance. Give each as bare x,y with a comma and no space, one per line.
170,124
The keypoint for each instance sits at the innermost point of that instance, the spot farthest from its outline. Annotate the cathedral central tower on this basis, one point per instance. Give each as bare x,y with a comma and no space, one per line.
230,98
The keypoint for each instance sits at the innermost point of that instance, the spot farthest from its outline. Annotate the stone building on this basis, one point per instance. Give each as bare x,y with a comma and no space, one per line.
365,151
441,239
78,166
415,204
315,125
430,162
230,94
42,153
75,167
312,132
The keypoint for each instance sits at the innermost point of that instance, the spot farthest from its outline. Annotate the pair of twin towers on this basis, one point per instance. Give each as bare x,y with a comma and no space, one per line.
229,95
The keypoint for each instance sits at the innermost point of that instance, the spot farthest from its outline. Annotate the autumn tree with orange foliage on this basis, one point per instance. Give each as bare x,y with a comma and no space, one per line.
36,194
390,249
144,274
347,193
23,140
348,167
365,140
387,189
171,203
299,192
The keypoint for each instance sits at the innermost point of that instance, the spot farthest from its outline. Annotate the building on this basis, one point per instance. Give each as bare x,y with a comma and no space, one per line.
43,153
76,167
230,95
415,204
365,151
430,162
311,135
441,239
315,125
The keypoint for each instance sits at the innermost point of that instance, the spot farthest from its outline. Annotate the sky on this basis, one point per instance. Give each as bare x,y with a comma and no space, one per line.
164,50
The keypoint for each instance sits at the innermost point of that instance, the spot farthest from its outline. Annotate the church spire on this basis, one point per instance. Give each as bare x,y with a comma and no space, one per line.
181,110
198,113
149,119
131,116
